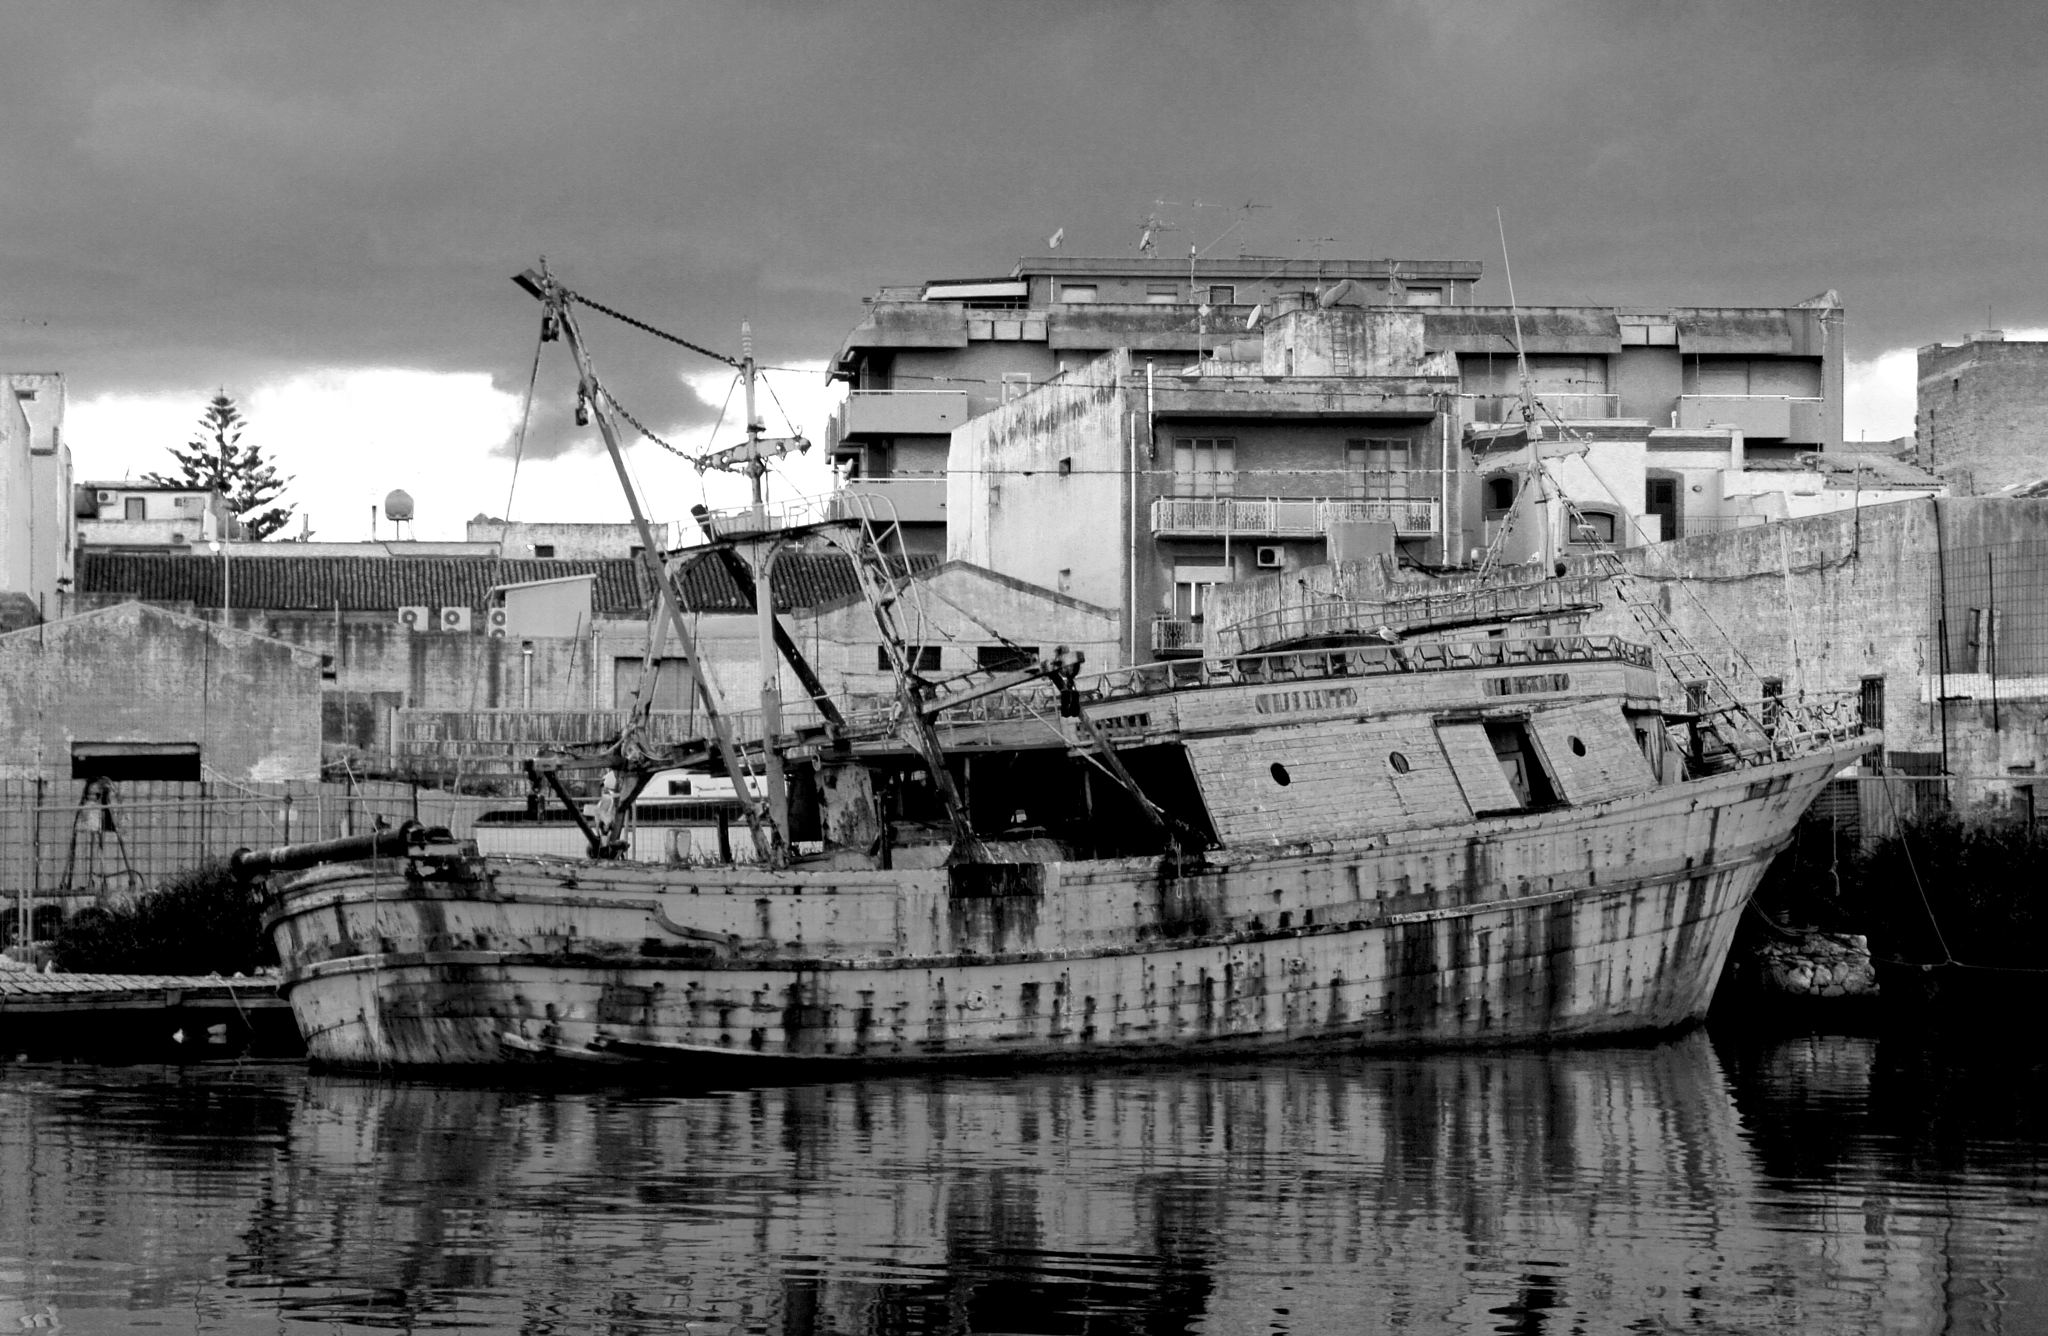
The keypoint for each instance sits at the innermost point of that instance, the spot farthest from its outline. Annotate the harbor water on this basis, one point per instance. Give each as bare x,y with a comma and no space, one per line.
1716,1182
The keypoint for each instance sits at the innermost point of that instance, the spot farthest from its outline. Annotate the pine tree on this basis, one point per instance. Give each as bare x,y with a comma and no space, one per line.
216,459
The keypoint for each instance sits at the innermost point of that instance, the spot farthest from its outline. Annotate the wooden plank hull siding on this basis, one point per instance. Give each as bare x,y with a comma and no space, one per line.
1595,919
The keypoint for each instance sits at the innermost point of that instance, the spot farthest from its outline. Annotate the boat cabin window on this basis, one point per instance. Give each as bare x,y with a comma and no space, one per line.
1519,763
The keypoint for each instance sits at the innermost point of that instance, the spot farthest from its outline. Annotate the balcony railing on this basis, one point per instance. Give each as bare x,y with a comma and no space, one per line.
1176,635
908,500
1571,407
1287,517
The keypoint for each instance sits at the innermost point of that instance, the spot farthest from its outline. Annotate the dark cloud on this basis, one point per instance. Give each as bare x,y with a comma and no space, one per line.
209,193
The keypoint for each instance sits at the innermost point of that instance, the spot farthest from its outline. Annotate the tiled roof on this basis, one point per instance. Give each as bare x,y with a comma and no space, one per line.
802,580
384,584
350,584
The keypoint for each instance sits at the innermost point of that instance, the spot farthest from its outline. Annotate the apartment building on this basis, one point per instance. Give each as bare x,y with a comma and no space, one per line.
926,358
1345,423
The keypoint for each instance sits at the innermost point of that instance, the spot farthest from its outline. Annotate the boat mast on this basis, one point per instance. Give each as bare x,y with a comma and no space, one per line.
767,838
764,599
1535,433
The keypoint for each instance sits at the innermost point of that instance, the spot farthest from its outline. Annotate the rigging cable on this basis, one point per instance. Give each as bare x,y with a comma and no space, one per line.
498,559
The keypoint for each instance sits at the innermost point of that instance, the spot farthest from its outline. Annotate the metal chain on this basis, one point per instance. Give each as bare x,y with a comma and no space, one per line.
641,427
643,326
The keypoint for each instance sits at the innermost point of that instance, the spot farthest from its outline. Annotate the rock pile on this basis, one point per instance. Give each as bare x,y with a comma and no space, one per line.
1817,964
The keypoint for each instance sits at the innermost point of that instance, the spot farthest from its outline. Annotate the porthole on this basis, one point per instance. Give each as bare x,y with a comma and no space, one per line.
1398,761
1280,775
1578,746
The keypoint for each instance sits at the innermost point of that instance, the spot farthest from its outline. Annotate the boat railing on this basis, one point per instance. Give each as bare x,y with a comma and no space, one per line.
1337,616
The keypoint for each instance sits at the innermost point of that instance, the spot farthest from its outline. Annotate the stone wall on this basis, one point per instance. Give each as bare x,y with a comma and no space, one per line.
1983,413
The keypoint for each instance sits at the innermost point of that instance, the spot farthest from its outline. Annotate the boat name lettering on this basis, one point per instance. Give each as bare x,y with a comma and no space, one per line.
1284,702
1522,686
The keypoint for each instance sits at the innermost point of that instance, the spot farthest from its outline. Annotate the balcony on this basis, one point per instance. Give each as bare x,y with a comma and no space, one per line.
1573,407
1287,517
907,500
1176,637
1767,416
897,413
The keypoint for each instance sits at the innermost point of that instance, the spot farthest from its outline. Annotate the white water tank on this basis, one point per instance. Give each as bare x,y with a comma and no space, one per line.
398,505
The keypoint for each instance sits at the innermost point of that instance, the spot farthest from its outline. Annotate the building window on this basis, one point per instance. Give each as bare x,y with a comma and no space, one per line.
1774,701
853,461
1161,294
1595,528
1077,292
1016,384
134,508
1378,470
1192,588
1222,294
1498,496
671,683
1661,498
1871,698
1204,466
1005,658
1425,297
544,550
921,658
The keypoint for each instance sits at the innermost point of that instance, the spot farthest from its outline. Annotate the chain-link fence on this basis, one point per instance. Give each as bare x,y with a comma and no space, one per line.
72,843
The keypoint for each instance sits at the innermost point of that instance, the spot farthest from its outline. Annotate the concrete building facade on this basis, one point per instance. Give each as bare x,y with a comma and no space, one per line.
1982,412
1336,424
926,358
155,690
35,498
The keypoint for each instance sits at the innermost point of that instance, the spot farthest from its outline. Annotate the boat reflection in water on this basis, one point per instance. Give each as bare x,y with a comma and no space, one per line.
1514,1192
1824,1185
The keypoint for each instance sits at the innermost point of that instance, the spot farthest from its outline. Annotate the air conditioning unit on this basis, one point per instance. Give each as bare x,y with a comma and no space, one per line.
105,498
1271,556
455,619
416,619
494,622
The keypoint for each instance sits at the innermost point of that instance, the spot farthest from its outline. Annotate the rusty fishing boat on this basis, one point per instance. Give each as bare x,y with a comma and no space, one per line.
1455,819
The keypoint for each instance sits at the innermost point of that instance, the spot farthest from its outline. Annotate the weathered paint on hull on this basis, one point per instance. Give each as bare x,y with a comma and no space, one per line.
1552,926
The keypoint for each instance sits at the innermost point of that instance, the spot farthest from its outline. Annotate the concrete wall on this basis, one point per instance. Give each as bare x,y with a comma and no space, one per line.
957,609
1828,601
569,541
35,490
135,673
1011,509
1983,413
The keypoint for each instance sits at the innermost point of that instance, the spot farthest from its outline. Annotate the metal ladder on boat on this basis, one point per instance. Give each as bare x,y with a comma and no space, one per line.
1721,728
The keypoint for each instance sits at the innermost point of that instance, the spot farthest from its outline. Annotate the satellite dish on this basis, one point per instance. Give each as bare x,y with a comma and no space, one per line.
398,506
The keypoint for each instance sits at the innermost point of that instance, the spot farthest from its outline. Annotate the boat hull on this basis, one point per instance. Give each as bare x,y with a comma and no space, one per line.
1552,926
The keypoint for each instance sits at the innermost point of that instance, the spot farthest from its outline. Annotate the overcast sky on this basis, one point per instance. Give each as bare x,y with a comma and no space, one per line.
318,206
